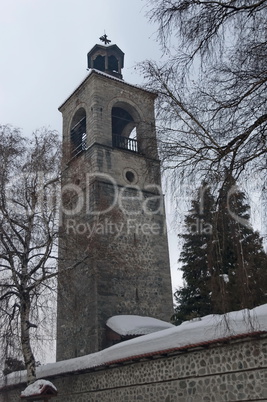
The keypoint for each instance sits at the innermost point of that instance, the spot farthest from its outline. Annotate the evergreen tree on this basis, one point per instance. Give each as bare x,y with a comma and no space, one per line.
194,297
239,272
224,264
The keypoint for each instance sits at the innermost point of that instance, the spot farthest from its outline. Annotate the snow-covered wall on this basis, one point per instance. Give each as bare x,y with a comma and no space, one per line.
230,370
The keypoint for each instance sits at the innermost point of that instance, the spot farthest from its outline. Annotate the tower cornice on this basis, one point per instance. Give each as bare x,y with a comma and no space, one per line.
109,77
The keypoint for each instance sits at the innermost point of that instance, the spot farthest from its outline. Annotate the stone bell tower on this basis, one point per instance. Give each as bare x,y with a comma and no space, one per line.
113,247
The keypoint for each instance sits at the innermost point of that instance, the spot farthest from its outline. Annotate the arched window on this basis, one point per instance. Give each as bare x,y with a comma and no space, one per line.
113,64
99,63
78,133
123,130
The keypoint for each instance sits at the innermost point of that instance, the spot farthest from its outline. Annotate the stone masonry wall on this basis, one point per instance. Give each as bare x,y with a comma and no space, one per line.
120,257
236,371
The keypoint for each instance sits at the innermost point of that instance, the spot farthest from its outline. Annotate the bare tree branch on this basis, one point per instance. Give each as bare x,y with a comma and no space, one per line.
29,177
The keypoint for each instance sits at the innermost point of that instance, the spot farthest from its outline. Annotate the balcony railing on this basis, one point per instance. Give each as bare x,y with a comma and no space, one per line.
124,143
78,137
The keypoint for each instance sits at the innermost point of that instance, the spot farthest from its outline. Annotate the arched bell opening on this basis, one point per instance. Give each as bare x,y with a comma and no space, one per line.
124,129
78,132
113,64
99,63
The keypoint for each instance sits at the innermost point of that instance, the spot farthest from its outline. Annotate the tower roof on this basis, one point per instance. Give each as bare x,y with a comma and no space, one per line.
109,59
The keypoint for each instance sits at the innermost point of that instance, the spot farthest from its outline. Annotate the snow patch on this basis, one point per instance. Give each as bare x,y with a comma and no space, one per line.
37,388
225,277
136,325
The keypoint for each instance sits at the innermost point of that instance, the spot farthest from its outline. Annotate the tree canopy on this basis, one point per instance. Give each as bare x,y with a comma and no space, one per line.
211,113
211,85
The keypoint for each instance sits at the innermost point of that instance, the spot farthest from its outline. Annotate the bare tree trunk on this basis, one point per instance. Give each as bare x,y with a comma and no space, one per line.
25,340
29,183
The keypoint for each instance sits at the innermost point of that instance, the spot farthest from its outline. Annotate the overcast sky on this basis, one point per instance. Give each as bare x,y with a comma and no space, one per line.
44,46
43,50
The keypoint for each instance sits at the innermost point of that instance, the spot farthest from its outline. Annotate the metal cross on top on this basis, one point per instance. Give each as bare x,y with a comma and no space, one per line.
104,38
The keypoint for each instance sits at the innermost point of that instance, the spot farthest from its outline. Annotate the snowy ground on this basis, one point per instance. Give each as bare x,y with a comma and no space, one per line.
189,333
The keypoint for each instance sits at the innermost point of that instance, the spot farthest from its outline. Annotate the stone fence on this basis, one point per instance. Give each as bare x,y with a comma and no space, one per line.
227,370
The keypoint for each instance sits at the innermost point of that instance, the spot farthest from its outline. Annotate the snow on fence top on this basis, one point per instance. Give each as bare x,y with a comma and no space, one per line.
191,333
